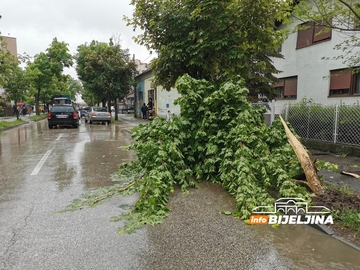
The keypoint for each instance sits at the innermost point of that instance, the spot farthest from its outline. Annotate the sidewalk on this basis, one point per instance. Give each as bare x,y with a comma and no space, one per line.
13,118
345,163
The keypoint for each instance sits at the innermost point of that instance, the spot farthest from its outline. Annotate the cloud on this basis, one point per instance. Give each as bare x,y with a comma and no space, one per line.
35,23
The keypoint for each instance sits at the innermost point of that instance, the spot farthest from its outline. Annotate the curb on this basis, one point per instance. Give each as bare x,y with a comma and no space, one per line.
7,128
330,232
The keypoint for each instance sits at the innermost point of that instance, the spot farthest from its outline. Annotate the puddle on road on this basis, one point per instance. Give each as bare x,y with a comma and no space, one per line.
309,247
196,235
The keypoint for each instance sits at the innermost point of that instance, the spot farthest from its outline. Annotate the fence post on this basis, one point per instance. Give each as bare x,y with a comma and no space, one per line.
308,122
272,112
336,122
286,111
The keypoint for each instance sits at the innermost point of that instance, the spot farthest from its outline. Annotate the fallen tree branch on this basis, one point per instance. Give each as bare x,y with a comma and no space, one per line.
109,195
307,164
300,182
351,174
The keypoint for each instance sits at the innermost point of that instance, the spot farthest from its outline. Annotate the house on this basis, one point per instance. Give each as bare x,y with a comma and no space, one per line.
306,74
141,67
163,100
9,45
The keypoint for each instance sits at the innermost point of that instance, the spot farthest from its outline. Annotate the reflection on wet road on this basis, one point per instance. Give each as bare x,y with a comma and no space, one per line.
42,170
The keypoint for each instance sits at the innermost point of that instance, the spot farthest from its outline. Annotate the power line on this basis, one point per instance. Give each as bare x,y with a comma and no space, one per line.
147,58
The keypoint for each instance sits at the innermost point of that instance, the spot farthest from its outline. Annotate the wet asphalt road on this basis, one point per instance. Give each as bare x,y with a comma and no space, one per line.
42,170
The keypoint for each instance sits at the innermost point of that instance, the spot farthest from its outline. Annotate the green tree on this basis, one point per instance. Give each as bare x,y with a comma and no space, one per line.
106,70
342,16
213,40
8,64
17,86
47,70
12,77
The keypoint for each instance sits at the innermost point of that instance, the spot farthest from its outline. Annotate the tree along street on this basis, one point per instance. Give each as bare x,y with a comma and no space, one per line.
42,170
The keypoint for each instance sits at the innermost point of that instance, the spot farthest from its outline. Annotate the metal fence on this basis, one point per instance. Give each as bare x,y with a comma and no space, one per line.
330,123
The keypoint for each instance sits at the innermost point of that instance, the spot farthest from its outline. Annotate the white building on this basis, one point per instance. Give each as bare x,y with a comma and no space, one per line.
305,74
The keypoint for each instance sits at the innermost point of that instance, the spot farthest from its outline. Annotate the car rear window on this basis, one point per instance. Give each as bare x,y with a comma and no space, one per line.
62,109
100,109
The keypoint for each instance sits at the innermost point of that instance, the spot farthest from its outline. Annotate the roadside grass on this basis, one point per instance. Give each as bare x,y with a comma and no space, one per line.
38,117
345,189
348,218
8,124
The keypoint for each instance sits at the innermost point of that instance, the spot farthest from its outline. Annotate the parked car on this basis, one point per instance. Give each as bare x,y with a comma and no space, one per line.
130,109
123,108
83,111
63,115
98,114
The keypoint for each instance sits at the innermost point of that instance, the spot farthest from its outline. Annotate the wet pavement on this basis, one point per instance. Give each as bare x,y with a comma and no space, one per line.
345,163
194,236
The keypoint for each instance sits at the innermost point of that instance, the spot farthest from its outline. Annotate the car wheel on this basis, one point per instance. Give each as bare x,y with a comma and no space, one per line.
76,126
50,126
108,122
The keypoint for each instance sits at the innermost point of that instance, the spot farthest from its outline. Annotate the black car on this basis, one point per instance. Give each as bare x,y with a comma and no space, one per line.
130,109
63,115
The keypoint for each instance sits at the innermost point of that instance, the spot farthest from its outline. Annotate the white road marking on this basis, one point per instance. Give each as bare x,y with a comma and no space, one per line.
41,163
59,137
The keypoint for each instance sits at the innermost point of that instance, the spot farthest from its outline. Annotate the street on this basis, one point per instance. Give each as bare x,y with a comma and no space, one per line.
42,170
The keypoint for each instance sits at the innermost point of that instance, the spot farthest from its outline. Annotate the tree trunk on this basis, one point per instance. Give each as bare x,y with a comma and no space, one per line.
116,107
307,165
37,102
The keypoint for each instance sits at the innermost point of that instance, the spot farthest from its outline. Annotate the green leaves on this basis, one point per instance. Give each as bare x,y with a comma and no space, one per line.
211,40
219,137
105,69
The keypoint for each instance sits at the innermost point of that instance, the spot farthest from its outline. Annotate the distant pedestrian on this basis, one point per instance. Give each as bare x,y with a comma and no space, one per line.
24,110
144,110
150,104
29,109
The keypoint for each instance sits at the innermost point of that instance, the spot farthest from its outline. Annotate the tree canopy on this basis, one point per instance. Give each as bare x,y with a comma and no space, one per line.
12,76
106,71
213,40
45,73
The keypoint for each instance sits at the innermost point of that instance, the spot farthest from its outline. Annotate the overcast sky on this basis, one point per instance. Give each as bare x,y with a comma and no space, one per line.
34,23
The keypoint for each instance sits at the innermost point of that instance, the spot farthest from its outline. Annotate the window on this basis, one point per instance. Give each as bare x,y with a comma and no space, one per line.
311,33
286,88
344,83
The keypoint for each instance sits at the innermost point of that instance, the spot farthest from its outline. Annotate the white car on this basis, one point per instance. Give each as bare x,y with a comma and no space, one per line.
98,114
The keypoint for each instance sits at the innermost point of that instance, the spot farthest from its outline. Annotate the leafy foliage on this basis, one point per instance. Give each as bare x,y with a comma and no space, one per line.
213,40
343,16
219,137
46,71
106,71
